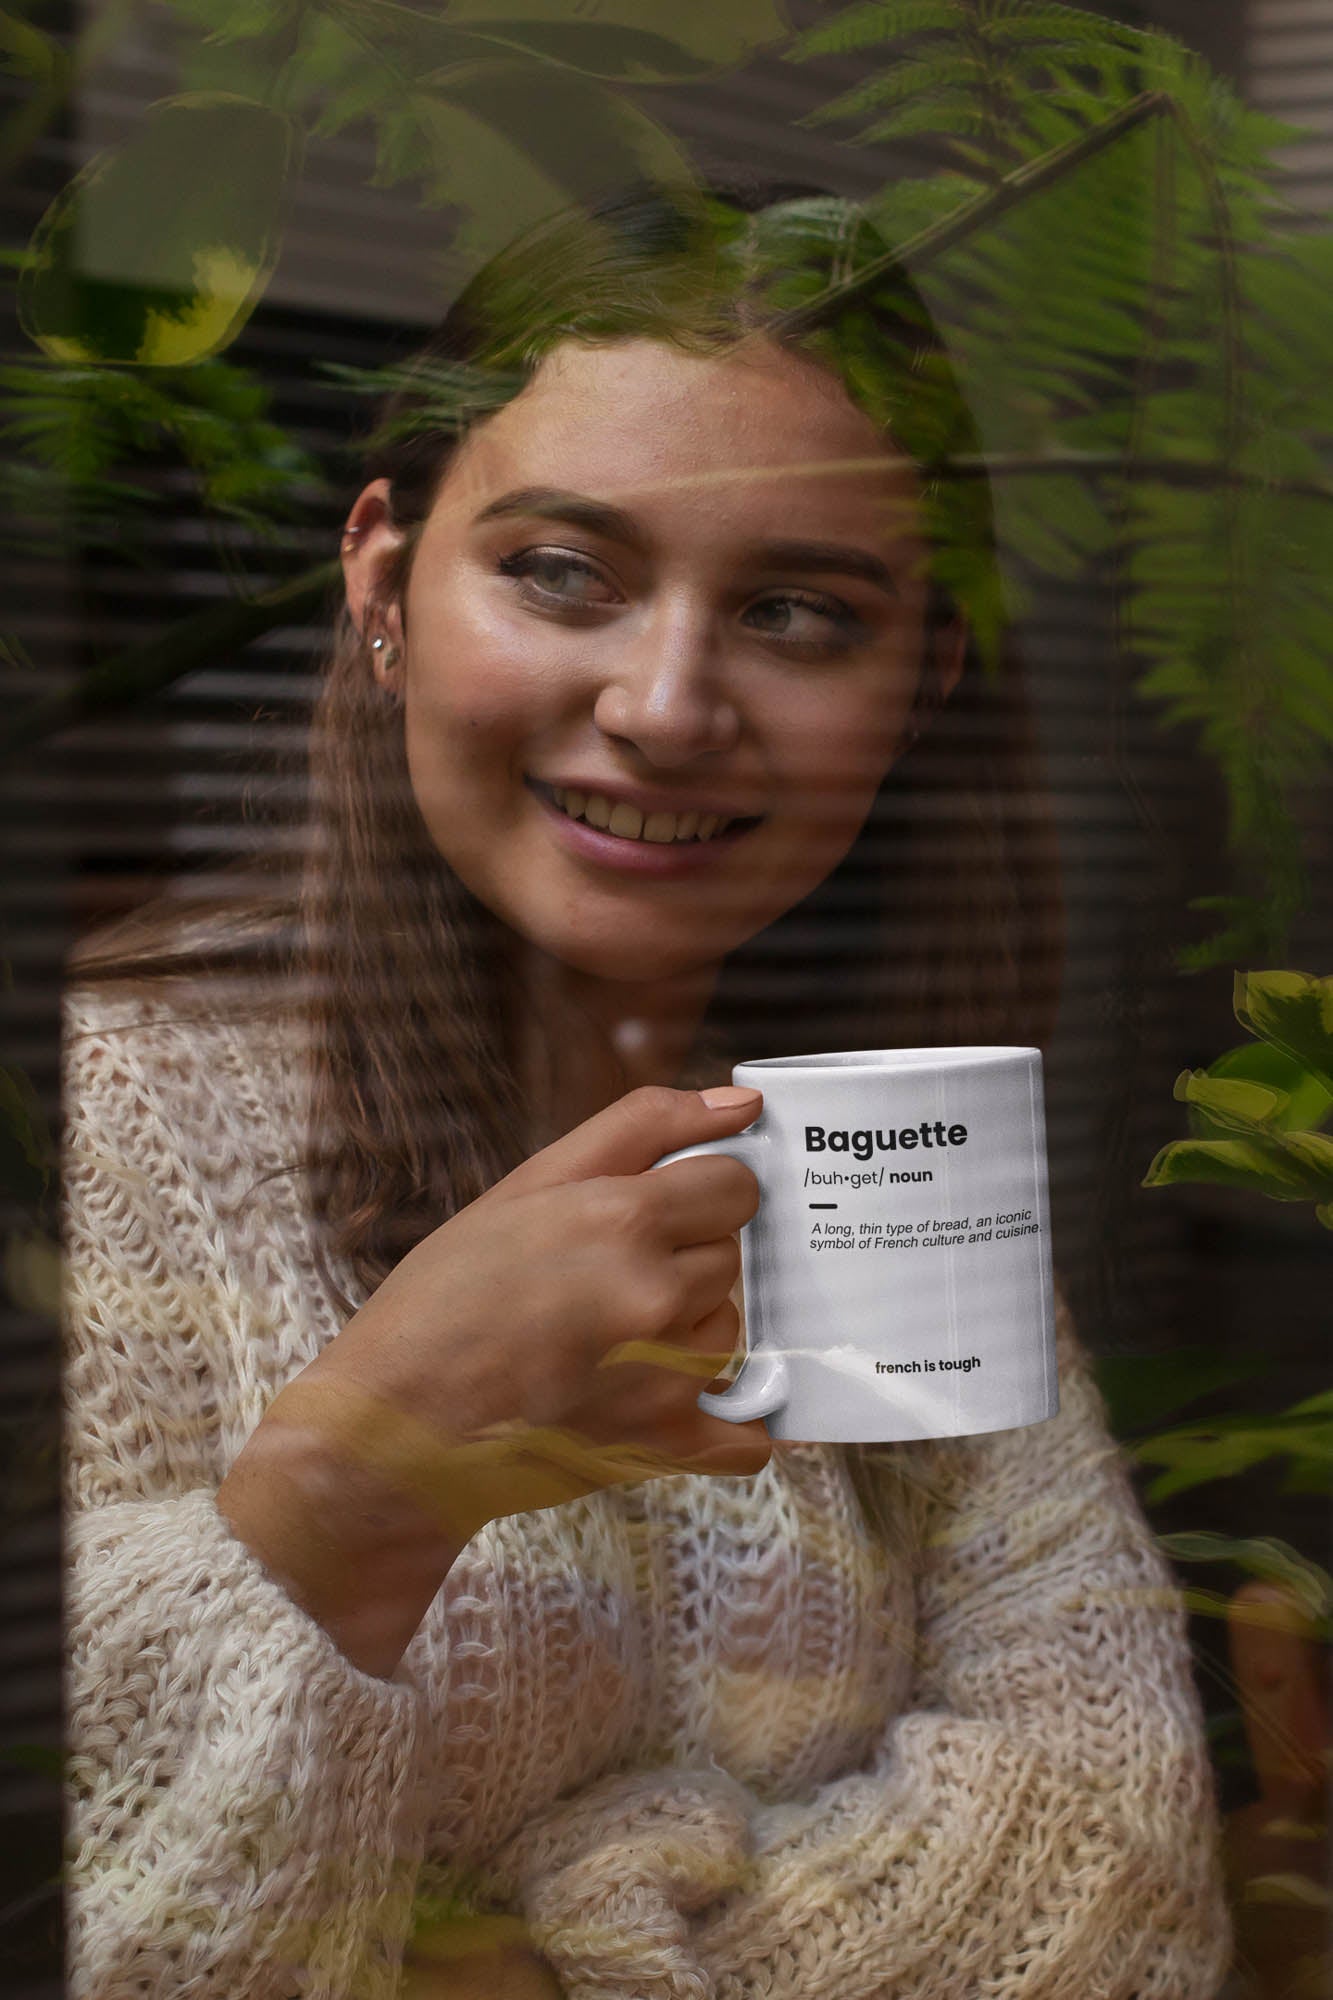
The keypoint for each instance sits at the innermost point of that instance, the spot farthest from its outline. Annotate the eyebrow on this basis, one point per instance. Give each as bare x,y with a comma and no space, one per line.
552,503
827,559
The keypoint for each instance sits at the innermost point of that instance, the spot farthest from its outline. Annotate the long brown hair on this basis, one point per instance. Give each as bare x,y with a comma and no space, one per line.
940,926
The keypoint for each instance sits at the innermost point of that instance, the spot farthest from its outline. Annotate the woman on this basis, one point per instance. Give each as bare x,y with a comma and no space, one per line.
409,1569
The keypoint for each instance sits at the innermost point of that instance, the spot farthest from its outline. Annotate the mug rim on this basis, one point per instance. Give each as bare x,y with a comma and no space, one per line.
839,1062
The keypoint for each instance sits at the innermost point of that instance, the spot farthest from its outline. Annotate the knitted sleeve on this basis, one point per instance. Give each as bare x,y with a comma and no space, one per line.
1039,1825
245,1814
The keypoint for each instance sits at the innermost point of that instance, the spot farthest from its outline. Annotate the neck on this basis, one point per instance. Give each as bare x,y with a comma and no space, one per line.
579,1042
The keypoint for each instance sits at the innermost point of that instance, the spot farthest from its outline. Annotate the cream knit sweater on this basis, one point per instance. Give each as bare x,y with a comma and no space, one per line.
711,1736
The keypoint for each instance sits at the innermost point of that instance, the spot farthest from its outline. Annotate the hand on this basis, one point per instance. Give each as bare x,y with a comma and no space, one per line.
548,1340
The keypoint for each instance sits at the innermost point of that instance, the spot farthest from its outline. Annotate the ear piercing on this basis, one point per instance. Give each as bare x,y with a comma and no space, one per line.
386,659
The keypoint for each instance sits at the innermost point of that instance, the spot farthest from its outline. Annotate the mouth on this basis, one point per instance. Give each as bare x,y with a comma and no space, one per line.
627,822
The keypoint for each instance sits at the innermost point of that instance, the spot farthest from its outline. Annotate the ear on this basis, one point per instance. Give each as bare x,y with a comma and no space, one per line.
370,541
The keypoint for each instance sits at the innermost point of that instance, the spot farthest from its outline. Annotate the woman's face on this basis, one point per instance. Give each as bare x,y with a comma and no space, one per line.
659,646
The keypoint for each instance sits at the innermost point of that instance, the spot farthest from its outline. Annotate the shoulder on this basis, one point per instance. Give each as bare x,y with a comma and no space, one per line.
191,1287
204,1063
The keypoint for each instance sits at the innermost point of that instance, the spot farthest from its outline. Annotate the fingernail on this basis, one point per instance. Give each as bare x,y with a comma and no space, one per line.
726,1096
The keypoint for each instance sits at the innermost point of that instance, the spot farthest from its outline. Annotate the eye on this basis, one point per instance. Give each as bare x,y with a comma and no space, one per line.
806,621
557,579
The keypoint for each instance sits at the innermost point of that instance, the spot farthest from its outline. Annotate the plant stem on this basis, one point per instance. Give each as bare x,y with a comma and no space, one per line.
1204,474
929,243
146,670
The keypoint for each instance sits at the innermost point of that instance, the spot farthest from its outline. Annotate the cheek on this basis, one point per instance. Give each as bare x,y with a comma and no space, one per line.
475,676
837,760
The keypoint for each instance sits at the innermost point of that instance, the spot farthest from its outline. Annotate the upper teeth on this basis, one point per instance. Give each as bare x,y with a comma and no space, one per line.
631,824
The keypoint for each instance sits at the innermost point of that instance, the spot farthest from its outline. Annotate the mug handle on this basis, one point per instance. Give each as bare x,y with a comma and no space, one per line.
762,1386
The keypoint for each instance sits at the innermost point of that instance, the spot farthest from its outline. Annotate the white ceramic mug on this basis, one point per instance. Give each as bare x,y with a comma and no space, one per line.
898,1274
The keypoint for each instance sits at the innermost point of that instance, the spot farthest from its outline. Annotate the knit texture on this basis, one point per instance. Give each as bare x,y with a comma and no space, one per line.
923,1733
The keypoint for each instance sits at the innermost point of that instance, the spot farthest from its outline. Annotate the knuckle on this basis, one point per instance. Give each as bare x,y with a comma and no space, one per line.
729,1259
722,1322
617,1204
655,1306
718,1335
653,1106
744,1189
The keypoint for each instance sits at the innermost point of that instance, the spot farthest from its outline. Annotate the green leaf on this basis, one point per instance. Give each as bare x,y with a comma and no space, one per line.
914,78
244,20
1262,1556
32,1270
1289,1166
1226,1446
1296,1892
993,85
1232,1104
877,21
1320,1404
1144,1389
87,446
27,1155
634,41
26,51
1074,30
1308,1101
157,253
1293,1011
494,140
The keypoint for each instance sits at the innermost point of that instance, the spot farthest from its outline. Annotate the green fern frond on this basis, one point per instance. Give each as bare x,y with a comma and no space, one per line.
914,77
878,21
1087,35
946,112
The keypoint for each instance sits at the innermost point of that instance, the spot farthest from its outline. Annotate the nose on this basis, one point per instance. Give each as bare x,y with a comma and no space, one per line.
665,694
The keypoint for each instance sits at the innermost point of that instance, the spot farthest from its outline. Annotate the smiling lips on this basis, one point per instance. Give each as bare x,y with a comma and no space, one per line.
627,822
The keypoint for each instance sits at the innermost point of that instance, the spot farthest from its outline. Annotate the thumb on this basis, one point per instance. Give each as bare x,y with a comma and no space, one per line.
634,1132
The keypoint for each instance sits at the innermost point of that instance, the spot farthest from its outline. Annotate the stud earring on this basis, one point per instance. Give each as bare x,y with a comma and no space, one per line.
388,655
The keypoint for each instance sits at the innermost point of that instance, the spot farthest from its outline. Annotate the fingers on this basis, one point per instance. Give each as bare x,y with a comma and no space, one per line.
717,1339
697,1201
686,1442
718,1447
640,1419
699,1355
632,1134
669,1355
706,1274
